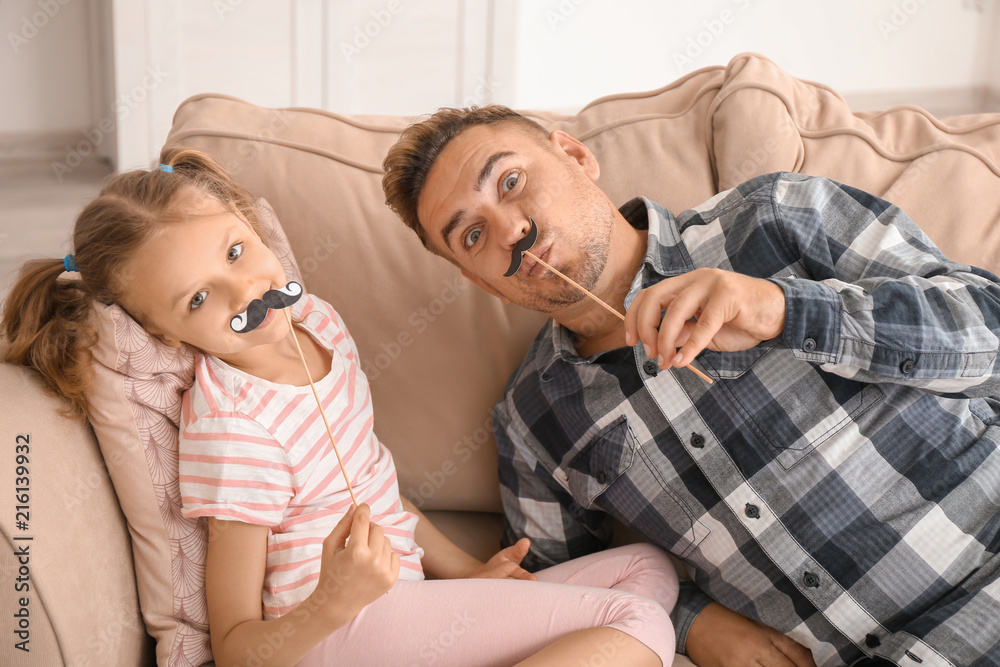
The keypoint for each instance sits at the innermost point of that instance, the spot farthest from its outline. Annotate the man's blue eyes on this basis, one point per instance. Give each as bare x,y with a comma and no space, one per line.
508,183
472,238
234,253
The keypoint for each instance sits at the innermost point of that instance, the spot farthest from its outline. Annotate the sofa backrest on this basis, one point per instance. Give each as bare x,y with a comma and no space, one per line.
437,350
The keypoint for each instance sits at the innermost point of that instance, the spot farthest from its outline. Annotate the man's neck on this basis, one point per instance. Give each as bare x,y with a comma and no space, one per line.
597,329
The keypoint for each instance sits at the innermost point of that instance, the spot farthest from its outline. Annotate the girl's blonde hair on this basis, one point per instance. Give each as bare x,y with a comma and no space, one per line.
46,316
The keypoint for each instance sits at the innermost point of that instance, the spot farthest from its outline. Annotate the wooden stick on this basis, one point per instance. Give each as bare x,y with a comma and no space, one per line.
606,306
319,404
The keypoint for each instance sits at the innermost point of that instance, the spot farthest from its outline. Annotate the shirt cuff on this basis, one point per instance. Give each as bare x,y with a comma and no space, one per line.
812,319
691,600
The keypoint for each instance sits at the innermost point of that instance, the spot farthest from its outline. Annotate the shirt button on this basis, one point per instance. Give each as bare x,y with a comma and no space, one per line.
600,477
810,580
809,345
752,511
871,641
650,368
906,367
697,440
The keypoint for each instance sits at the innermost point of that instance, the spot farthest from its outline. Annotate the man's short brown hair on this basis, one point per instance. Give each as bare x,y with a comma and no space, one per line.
410,159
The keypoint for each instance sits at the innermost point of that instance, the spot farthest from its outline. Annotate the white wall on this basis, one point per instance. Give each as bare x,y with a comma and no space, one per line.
350,56
568,52
991,56
47,72
412,56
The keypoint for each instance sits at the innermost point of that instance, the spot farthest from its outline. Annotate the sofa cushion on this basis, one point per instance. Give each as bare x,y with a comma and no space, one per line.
943,173
72,536
135,408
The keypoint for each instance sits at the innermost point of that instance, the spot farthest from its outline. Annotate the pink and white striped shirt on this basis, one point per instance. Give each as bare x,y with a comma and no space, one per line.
256,451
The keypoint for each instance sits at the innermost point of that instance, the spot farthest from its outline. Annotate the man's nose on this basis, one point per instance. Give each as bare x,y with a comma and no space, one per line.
513,231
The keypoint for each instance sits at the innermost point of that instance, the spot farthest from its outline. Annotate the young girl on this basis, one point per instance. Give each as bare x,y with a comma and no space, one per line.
296,574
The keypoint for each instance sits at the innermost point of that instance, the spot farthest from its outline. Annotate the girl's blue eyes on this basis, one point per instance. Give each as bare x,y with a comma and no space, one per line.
198,299
233,254
508,183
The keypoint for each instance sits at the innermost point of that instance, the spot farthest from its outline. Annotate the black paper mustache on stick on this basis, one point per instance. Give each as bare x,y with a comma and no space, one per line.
517,255
275,299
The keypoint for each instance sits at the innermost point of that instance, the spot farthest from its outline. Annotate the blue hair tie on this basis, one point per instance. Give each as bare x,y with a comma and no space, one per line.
166,168
68,264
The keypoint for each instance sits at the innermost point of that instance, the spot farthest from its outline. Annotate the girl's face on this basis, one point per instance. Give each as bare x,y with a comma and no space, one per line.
192,276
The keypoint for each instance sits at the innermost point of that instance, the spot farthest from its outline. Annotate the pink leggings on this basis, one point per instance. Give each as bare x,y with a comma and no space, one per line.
472,622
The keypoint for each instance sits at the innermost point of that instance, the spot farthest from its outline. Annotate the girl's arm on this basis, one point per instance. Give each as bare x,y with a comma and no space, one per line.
443,559
351,577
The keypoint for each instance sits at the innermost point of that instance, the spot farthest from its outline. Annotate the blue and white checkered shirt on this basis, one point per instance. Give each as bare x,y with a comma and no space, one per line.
840,483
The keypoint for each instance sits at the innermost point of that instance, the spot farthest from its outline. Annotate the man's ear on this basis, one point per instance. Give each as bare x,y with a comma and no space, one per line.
578,152
486,286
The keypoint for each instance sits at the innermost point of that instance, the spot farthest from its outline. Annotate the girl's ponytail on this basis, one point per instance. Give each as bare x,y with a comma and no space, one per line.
46,326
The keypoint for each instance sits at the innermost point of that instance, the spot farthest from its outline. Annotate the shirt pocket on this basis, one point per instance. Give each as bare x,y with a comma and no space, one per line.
614,473
730,365
792,427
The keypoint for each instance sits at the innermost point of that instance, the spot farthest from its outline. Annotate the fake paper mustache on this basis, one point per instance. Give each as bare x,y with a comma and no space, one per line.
517,255
274,299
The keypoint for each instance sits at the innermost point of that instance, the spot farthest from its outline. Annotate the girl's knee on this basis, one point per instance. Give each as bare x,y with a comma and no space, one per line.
646,620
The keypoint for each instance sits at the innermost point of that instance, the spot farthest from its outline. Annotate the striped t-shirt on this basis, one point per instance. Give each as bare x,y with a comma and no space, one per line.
258,452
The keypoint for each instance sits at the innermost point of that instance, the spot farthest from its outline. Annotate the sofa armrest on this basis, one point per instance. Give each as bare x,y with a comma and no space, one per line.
69,564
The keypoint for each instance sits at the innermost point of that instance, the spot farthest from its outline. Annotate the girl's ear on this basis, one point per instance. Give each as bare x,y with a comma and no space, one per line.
169,342
166,340
152,331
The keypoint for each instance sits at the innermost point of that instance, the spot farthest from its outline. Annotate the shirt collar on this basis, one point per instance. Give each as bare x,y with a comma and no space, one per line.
665,256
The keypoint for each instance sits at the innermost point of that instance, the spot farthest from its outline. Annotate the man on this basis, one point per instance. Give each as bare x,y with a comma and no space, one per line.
837,485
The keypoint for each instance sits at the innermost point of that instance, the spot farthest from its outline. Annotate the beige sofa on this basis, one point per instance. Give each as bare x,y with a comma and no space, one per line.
437,350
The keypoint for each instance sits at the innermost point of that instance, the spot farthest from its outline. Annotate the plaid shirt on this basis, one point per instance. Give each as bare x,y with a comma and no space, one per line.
840,483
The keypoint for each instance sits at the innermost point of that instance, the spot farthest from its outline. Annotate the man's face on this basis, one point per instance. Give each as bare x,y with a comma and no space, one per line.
482,189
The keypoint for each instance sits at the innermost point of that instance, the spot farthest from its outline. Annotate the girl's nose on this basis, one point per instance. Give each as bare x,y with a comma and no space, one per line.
243,290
